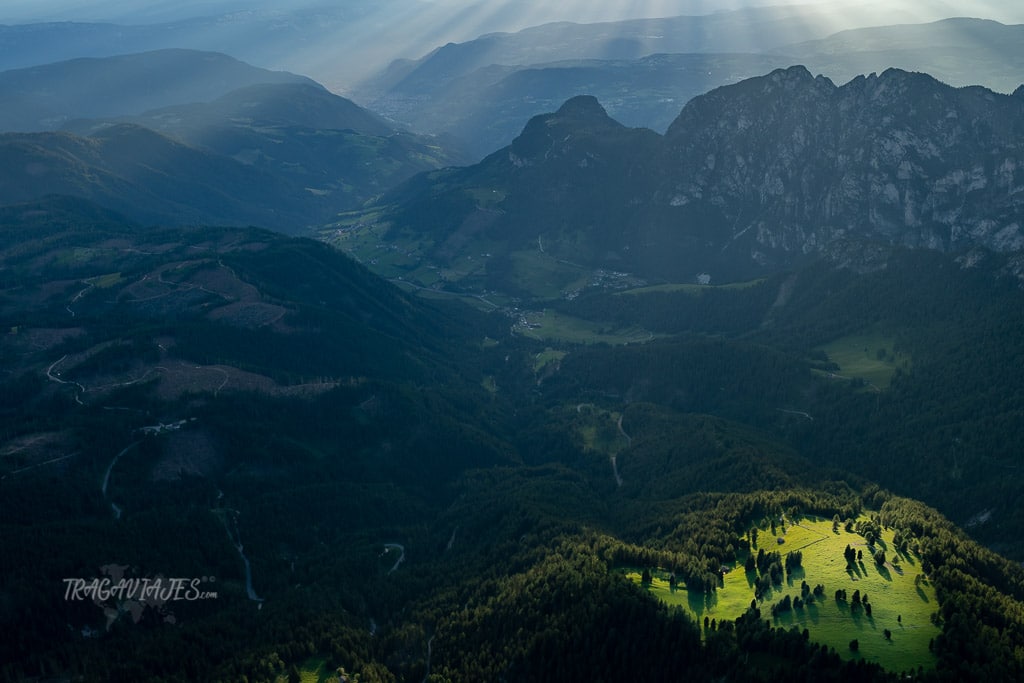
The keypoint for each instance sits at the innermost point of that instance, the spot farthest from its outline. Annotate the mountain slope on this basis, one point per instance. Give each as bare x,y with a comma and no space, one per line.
151,178
285,155
367,480
45,97
301,104
335,153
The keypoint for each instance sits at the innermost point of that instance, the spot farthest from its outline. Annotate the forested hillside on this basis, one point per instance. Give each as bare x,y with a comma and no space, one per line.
357,478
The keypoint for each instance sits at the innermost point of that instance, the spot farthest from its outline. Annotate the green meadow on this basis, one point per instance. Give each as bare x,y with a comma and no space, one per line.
901,597
550,325
598,429
105,281
313,670
545,276
869,357
692,288
546,357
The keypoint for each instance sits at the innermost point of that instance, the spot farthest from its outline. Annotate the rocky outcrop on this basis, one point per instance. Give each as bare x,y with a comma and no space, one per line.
750,178
795,163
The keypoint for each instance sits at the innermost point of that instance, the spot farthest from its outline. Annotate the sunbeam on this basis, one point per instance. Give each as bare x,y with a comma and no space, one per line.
343,45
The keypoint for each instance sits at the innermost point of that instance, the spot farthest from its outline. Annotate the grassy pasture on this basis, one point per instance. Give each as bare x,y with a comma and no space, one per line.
313,670
550,325
869,357
900,602
363,238
691,288
599,430
105,281
547,356
488,197
545,276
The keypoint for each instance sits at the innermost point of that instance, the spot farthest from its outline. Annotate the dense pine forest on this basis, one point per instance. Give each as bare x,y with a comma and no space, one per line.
370,484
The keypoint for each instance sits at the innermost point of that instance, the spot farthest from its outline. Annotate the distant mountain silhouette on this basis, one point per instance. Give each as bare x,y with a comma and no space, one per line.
45,97
485,90
750,178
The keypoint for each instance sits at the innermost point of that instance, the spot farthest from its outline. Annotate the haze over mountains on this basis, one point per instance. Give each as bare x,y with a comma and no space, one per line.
235,145
339,45
644,71
473,87
749,179
601,397
46,97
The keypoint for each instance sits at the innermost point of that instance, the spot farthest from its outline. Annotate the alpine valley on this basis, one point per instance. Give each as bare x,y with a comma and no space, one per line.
289,392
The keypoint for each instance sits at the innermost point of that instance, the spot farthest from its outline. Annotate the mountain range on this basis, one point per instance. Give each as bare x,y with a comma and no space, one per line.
239,146
485,90
749,179
341,45
45,97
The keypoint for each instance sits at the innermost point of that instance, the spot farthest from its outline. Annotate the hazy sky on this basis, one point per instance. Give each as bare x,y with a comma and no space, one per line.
18,11
340,41
513,13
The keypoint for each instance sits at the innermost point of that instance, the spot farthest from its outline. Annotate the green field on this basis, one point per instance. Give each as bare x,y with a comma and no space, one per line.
545,276
313,670
545,357
362,237
868,357
487,197
900,602
549,325
599,430
692,288
105,281
76,255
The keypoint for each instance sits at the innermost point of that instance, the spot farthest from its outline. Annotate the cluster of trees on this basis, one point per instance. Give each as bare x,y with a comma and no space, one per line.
788,603
794,560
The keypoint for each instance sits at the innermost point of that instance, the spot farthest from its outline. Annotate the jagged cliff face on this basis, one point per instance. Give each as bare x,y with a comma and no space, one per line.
749,179
793,163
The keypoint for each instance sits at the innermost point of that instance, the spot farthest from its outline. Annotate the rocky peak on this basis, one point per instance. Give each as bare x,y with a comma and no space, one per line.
796,76
549,135
755,176
793,162
584,108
